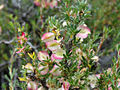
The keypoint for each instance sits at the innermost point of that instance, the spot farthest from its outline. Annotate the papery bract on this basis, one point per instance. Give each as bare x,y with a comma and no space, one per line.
43,55
41,88
66,85
53,4
118,84
84,31
29,68
37,3
58,53
43,69
55,71
32,86
53,45
95,58
47,37
109,88
98,76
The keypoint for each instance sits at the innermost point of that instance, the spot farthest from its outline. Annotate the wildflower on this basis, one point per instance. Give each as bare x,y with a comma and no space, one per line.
118,84
84,31
43,55
58,53
64,24
29,68
53,3
47,37
109,88
55,71
53,45
22,38
41,88
92,80
66,85
43,69
109,71
98,76
32,85
1,7
55,58
37,3
95,58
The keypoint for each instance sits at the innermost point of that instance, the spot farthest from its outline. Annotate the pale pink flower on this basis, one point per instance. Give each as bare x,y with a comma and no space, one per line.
47,37
55,71
53,4
32,86
53,45
54,56
118,84
98,76
43,69
66,85
29,68
109,88
84,31
43,55
58,53
37,3
2,6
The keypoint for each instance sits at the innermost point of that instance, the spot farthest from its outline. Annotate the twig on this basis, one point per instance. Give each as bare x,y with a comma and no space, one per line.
7,42
101,43
34,47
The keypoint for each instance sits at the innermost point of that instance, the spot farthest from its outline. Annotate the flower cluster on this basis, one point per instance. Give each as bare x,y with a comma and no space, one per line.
56,56
49,64
83,33
21,40
46,3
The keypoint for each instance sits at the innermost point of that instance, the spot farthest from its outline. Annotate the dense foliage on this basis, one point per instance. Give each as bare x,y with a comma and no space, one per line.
60,44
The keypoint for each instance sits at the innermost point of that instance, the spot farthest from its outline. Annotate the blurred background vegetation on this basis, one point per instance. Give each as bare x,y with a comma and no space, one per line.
105,14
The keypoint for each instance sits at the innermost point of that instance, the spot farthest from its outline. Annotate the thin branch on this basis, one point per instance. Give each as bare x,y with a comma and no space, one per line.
7,42
34,47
